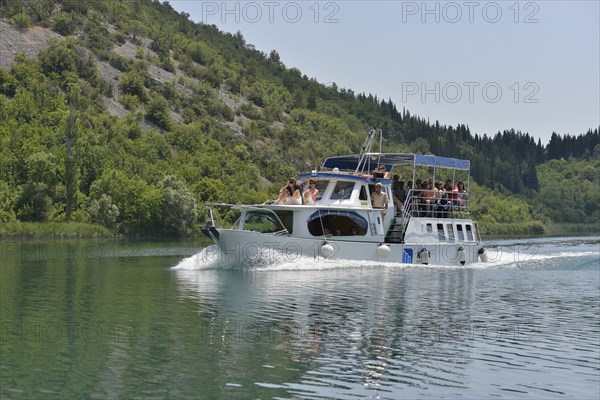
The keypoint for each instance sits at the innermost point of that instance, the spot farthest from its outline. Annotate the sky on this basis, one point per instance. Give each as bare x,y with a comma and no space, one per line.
532,66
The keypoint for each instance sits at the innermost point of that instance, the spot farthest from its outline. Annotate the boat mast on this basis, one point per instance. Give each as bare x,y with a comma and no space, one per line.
366,149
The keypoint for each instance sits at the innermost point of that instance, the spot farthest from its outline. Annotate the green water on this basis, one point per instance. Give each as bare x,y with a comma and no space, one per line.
114,319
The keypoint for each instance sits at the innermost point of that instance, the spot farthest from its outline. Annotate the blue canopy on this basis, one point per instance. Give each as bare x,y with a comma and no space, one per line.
350,163
444,162
354,216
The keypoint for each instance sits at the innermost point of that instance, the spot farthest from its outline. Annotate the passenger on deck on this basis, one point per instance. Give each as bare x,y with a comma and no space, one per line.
290,193
379,199
462,194
438,190
310,195
427,198
415,198
444,206
382,172
398,193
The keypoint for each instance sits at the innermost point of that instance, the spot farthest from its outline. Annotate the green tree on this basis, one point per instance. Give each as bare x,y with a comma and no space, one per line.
157,111
178,207
64,23
103,211
8,198
133,83
71,168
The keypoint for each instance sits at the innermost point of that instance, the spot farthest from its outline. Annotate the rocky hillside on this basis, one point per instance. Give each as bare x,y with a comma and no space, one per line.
32,40
130,115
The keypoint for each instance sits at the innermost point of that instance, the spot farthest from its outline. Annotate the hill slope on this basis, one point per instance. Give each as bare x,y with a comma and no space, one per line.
135,116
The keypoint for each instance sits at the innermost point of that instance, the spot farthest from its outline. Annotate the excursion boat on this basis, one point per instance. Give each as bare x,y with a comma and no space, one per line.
343,224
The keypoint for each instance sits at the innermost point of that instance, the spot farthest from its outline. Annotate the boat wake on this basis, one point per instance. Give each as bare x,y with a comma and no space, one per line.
269,260
522,255
511,255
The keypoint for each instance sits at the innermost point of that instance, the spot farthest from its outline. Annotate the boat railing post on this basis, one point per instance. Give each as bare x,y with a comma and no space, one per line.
477,235
212,218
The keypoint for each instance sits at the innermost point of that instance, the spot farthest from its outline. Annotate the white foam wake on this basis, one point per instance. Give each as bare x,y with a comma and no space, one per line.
274,260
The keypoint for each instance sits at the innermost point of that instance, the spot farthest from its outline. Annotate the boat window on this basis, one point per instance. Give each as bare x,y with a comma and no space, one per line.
337,223
461,234
429,228
469,232
287,218
450,232
321,186
261,221
343,190
363,193
441,234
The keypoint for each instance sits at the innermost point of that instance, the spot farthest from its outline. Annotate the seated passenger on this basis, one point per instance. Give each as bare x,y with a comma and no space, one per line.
310,195
462,194
284,193
290,193
296,198
416,201
445,203
427,198
381,172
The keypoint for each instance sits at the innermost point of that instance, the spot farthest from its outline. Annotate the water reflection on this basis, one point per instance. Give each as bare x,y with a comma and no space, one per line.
381,330
335,329
117,326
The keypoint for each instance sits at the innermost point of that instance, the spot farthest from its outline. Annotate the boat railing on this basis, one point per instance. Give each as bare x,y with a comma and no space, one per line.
477,231
217,220
214,219
450,205
405,216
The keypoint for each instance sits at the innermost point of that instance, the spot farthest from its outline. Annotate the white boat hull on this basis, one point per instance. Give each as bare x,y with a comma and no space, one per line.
241,246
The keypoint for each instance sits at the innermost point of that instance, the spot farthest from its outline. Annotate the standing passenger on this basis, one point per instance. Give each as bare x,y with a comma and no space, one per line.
379,199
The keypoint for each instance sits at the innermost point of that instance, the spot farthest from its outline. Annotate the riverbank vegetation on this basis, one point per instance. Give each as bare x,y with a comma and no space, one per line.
53,230
573,229
131,117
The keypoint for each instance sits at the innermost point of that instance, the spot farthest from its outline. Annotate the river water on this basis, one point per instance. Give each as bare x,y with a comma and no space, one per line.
104,319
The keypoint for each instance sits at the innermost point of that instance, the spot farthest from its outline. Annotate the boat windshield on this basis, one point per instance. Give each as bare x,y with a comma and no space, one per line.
263,221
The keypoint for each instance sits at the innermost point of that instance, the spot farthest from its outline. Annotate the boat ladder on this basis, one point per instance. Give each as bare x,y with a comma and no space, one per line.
395,233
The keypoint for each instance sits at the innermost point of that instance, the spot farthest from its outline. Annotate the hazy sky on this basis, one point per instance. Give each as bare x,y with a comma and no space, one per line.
529,65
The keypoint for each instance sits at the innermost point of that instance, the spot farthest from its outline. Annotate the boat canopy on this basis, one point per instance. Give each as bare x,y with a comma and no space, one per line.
351,162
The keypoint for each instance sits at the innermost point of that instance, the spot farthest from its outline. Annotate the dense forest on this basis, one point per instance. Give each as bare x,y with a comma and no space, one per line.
131,116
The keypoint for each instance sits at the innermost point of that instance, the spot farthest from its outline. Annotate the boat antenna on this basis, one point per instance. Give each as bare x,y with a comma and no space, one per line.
366,148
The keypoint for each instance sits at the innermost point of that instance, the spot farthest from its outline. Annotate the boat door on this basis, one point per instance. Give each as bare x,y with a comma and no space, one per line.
375,217
376,222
